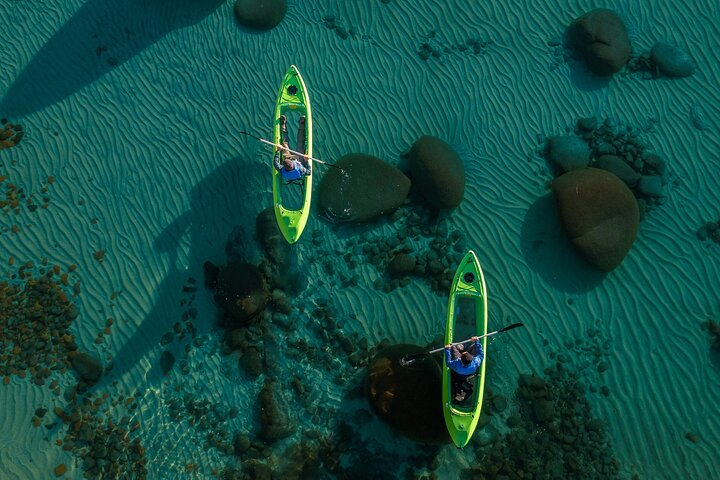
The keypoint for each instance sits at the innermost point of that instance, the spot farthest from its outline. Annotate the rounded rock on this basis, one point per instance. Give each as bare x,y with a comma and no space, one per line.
260,14
672,61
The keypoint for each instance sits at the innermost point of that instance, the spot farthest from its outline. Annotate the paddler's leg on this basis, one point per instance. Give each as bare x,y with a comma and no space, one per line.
300,145
283,130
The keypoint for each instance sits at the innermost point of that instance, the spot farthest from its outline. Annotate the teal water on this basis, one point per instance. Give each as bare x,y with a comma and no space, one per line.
130,175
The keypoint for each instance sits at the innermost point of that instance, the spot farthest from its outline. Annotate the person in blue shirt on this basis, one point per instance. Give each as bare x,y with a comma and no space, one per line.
464,363
286,163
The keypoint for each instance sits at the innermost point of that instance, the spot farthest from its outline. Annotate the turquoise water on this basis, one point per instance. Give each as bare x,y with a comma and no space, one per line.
129,175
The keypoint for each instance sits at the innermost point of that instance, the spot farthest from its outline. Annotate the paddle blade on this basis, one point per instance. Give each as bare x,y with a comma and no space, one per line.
510,327
410,359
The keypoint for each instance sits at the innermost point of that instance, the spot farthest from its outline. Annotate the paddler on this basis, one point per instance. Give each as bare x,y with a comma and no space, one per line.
463,363
286,163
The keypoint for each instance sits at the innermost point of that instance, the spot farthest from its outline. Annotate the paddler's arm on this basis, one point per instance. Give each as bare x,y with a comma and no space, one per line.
479,354
276,161
302,168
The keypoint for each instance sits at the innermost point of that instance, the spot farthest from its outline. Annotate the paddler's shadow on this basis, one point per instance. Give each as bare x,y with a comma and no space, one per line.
217,204
101,35
548,251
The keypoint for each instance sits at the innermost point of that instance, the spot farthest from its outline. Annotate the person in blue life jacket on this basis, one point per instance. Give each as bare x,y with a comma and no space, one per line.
464,364
286,163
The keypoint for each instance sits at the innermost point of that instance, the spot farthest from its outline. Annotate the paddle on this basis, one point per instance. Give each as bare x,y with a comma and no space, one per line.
268,142
405,361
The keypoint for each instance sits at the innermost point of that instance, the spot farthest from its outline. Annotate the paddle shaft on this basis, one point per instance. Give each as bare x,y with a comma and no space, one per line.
268,142
463,342
408,360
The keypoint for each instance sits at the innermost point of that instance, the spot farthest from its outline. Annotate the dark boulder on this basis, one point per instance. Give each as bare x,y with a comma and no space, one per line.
241,292
365,189
402,264
275,414
408,397
167,360
87,366
252,362
601,37
599,213
260,14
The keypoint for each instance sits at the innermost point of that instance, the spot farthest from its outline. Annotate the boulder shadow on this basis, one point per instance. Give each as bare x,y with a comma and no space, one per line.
100,36
581,76
213,200
548,251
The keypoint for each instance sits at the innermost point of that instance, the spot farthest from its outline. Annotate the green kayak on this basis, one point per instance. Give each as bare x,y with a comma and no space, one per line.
467,317
293,101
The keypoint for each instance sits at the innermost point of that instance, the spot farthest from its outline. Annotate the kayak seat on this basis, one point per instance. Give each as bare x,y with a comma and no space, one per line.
461,389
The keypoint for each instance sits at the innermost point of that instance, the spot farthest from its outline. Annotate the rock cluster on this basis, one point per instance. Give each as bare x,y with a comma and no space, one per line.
14,199
10,134
105,446
433,47
210,419
620,149
553,433
599,162
709,231
333,23
35,319
240,291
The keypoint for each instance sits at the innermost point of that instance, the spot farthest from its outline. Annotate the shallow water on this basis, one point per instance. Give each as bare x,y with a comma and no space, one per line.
137,177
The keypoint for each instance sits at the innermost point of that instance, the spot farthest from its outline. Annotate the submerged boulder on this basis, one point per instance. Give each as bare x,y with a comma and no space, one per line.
437,172
271,238
260,14
87,366
241,292
167,361
276,419
402,264
620,168
362,189
671,60
408,398
601,37
568,152
599,214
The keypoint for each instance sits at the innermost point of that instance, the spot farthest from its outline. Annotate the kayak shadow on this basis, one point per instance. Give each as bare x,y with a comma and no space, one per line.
100,36
199,233
548,251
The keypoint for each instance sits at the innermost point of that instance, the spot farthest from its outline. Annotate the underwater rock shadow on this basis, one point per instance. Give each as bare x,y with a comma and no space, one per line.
213,200
548,251
580,75
101,35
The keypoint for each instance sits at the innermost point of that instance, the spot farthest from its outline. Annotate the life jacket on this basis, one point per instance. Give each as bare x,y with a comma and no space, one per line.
293,174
